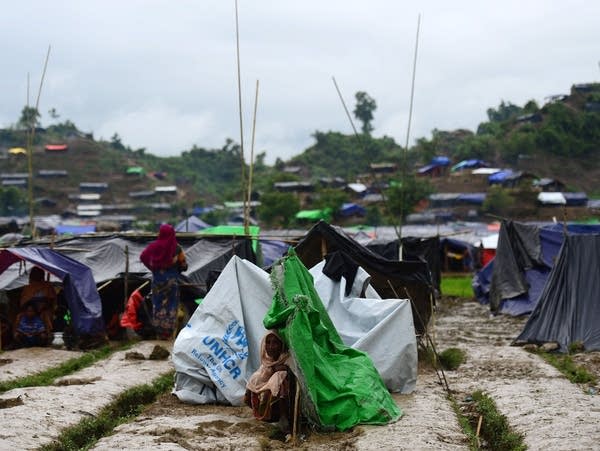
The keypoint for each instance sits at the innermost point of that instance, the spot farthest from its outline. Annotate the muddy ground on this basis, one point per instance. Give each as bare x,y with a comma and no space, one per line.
551,412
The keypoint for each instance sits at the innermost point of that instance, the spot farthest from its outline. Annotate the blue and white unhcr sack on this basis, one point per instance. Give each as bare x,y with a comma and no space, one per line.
218,349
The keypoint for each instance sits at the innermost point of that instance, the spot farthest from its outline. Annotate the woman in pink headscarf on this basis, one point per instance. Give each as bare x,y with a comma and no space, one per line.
268,389
165,258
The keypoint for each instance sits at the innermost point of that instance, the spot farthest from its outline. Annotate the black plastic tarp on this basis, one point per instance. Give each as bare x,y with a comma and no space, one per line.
568,310
391,279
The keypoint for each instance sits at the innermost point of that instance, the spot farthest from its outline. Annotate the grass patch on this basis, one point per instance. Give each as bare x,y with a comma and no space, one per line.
564,363
459,286
465,424
495,432
452,358
127,405
47,377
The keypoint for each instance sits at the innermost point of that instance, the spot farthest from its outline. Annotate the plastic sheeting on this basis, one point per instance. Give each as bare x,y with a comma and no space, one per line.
218,349
569,307
78,284
241,297
383,328
391,279
340,386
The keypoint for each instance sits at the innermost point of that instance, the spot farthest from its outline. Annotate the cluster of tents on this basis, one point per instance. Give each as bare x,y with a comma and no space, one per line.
551,272
355,311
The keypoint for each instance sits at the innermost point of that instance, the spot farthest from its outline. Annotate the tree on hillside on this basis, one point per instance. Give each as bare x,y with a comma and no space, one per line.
364,109
53,114
504,112
278,208
30,118
12,202
404,197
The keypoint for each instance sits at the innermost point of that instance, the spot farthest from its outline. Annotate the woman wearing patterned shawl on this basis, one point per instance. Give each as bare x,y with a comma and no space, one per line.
165,258
268,389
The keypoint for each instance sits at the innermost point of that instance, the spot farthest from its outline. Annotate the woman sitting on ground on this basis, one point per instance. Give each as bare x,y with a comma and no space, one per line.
41,294
268,389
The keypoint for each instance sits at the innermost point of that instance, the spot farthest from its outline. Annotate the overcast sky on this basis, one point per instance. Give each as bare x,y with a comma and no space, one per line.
163,74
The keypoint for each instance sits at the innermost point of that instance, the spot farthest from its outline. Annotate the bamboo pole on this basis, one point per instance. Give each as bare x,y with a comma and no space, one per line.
296,414
251,170
126,281
239,82
30,138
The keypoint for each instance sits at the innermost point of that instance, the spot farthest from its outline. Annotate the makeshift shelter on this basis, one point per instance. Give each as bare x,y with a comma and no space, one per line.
468,164
314,215
339,385
191,224
351,209
56,147
218,350
513,281
551,199
382,328
391,279
78,284
17,151
135,170
568,310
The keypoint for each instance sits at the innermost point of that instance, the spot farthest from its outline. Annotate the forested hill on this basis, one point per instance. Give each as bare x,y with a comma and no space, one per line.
560,139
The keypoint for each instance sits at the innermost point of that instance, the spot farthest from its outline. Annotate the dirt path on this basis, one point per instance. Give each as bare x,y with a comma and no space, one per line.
24,362
552,413
539,402
45,411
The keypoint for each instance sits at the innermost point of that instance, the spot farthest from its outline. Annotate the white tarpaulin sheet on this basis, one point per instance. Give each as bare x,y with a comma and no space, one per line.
218,350
382,328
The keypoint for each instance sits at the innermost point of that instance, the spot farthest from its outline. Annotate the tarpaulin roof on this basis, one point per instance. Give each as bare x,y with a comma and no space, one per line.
389,278
472,198
440,160
575,199
428,168
568,310
75,229
135,170
340,385
500,176
551,198
191,224
472,163
56,147
78,284
314,215
524,257
17,151
351,209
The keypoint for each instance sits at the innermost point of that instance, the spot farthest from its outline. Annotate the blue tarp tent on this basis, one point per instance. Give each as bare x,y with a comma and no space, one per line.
500,176
351,209
468,164
513,282
471,198
441,161
576,199
78,284
272,250
66,229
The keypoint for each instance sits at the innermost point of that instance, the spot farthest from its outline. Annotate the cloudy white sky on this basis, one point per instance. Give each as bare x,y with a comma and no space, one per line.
162,74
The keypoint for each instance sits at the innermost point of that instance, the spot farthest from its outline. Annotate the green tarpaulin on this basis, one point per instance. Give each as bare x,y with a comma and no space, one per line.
135,170
340,386
233,230
315,215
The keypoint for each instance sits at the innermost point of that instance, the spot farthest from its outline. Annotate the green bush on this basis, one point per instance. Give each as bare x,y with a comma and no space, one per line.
452,358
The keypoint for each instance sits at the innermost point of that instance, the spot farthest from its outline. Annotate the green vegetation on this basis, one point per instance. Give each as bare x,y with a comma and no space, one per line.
127,405
452,358
564,363
458,286
495,432
47,377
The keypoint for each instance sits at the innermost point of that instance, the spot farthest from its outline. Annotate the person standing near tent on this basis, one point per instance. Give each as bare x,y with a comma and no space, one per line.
165,258
268,389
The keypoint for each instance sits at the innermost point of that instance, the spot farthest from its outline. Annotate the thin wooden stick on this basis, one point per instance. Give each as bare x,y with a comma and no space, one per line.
296,409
